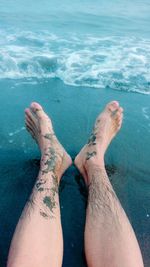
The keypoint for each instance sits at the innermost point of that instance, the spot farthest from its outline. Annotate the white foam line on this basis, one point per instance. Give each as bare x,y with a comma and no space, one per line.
17,131
115,62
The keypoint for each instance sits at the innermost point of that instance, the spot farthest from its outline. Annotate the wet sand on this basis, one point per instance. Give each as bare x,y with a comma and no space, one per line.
73,111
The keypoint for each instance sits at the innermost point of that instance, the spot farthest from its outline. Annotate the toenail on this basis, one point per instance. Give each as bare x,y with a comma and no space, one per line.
115,103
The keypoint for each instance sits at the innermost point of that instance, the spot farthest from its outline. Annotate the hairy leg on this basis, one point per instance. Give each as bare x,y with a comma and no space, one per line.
38,241
109,237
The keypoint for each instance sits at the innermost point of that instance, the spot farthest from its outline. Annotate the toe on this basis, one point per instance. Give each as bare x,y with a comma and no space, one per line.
117,114
119,125
120,109
30,116
31,123
112,106
120,114
40,115
38,110
120,119
36,106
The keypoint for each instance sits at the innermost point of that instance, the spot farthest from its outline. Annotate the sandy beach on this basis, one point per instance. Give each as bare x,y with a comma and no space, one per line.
73,111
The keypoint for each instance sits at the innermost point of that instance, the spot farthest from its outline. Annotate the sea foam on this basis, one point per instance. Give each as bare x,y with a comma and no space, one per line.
119,63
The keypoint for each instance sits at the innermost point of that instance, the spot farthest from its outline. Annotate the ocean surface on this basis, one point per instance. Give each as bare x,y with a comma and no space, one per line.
101,44
74,57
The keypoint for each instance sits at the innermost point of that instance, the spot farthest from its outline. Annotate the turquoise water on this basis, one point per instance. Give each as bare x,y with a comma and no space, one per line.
101,44
74,57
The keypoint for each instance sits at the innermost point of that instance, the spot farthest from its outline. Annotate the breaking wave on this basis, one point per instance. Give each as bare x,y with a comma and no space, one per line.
119,63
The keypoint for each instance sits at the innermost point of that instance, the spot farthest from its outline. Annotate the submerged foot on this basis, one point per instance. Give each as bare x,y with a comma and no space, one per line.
40,127
107,124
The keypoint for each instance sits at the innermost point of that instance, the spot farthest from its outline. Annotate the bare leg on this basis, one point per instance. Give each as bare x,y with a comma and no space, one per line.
37,241
109,237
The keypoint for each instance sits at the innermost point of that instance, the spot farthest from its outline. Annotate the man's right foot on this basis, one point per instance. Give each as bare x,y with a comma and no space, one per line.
106,127
39,125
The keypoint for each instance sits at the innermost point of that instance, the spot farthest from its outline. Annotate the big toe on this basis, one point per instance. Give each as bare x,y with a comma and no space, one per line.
41,116
112,106
37,109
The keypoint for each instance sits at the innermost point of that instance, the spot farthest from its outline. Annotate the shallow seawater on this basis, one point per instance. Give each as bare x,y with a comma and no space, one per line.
74,57
127,159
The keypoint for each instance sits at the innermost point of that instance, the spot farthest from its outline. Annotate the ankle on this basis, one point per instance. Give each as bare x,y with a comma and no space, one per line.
97,171
50,165
94,164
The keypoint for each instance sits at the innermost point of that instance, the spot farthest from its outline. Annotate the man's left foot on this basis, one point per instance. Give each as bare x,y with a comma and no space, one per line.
106,127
